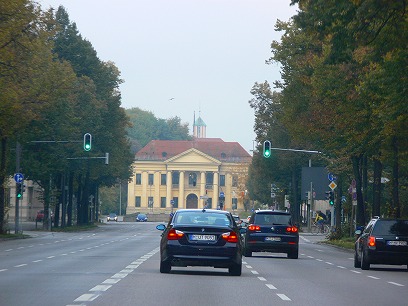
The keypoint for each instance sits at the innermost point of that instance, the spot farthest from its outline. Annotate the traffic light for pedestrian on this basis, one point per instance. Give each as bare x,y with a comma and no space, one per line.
267,149
87,142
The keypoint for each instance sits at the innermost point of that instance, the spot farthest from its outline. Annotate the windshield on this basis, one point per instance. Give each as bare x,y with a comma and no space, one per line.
201,218
272,219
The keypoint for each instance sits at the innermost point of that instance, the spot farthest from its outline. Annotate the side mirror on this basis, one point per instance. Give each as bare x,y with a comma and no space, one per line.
242,230
161,227
358,232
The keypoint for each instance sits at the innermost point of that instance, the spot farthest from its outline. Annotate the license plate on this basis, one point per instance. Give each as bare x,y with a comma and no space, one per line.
196,237
272,239
403,243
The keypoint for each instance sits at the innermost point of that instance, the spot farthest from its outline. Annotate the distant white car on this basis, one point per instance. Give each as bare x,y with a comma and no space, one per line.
112,217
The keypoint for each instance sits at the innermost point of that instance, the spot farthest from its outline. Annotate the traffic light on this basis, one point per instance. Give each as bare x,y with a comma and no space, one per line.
330,197
19,191
87,142
267,149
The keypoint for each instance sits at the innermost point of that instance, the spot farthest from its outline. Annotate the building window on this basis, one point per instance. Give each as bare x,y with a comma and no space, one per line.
192,179
209,179
235,181
163,202
163,179
138,179
222,180
150,202
151,179
175,200
175,176
138,201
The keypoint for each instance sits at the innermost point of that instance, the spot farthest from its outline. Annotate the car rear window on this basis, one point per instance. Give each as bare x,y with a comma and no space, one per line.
391,227
201,218
272,219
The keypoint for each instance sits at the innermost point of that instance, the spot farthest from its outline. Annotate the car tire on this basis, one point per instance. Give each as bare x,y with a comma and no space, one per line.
165,267
235,270
365,264
357,263
247,252
293,254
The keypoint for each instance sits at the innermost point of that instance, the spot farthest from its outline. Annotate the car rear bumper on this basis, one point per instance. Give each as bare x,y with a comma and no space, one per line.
388,258
192,256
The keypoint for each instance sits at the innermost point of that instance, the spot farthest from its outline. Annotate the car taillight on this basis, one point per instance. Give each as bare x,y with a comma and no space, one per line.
292,229
253,227
371,241
230,237
174,234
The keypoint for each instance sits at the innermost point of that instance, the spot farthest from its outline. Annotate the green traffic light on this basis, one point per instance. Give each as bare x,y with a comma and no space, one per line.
87,142
267,149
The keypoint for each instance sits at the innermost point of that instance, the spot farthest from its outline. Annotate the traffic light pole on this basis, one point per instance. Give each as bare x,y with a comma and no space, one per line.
17,208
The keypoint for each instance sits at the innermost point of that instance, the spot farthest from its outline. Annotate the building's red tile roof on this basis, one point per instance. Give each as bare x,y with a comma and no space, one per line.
214,147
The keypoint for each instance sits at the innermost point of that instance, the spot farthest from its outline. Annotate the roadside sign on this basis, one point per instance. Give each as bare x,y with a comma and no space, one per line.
204,197
172,202
222,194
18,177
331,177
332,185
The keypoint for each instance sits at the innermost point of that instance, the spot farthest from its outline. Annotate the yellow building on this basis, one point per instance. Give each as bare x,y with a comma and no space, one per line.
204,172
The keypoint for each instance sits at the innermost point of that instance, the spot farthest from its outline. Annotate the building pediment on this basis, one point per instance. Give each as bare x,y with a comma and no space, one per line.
193,157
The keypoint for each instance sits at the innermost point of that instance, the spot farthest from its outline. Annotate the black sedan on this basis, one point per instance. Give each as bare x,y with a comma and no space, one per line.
201,237
383,241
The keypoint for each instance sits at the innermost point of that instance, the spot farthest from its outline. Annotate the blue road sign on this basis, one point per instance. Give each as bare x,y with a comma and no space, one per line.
331,177
222,194
18,177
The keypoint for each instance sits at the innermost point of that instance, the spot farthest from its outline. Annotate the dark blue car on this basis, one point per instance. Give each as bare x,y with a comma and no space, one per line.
201,237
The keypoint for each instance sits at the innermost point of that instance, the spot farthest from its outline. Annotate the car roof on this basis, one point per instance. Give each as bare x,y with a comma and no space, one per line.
269,211
203,210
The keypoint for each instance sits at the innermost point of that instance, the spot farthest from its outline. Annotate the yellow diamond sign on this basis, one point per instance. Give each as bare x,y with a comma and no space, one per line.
332,185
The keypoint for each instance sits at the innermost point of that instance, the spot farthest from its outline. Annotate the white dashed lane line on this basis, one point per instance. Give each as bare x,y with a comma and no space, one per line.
96,291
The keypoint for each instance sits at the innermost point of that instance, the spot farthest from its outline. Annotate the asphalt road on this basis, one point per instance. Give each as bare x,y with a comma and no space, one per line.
118,264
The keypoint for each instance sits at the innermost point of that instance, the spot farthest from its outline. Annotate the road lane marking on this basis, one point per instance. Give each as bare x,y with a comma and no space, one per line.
354,271
283,297
373,277
270,286
249,267
254,272
2,270
396,284
262,278
18,266
86,297
101,288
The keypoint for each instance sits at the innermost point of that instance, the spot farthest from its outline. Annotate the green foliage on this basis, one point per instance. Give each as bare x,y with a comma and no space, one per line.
343,91
146,127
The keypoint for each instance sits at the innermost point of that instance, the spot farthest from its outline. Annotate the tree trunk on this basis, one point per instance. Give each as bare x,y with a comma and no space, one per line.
2,182
360,218
377,187
395,179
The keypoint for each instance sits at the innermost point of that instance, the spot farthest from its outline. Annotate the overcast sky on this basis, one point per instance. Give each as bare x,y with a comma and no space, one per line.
206,54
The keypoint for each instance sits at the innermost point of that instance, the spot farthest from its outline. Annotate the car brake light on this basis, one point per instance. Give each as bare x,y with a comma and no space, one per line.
253,227
230,237
174,234
292,229
371,241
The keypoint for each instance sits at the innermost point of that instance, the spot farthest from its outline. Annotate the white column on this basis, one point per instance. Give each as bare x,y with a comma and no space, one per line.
181,190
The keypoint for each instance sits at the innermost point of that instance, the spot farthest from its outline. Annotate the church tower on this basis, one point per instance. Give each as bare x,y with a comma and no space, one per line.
199,128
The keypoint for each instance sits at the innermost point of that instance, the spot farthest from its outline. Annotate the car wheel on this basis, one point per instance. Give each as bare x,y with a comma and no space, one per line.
357,263
365,265
247,252
293,254
235,270
165,267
